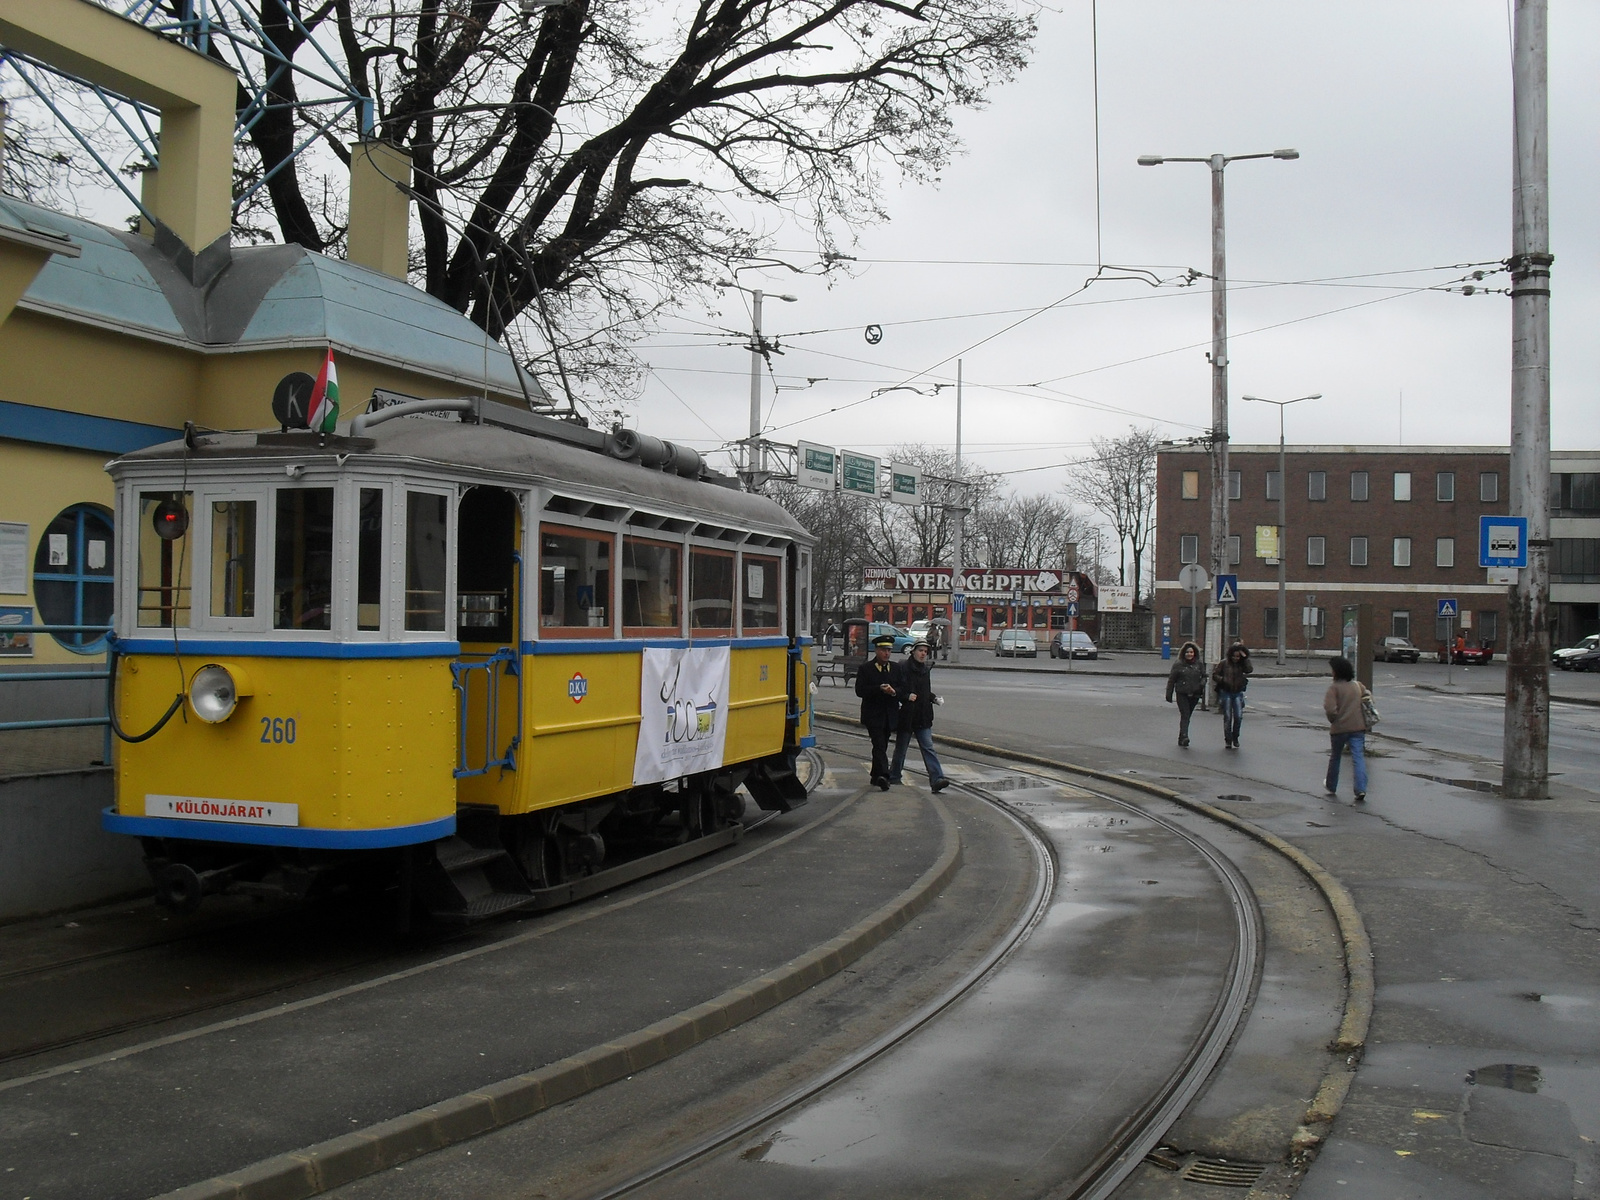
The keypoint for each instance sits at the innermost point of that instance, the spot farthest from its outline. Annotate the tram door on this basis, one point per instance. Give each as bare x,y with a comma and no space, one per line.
488,675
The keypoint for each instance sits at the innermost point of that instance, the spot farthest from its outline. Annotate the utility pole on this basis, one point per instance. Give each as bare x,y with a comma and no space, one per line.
753,458
957,619
1526,749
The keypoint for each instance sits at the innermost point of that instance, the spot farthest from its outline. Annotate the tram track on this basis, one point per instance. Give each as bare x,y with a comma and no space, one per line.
1143,1129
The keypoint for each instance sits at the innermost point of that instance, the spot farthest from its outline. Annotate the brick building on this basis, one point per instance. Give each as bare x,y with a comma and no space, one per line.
1392,526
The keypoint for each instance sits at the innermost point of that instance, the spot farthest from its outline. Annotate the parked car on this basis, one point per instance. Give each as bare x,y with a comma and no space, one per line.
918,631
1468,655
1016,643
1589,660
1395,649
1082,646
902,639
1568,658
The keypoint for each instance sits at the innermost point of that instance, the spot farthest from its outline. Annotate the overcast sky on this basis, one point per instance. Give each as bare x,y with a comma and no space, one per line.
1401,113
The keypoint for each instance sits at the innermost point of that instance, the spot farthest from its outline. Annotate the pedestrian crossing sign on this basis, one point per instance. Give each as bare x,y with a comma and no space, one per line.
1227,589
1447,608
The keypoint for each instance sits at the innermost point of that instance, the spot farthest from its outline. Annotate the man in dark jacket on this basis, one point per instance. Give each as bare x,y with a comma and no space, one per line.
916,717
1187,682
878,685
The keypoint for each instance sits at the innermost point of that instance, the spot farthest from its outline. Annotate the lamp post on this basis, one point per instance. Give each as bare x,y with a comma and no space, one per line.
1219,345
754,467
1283,524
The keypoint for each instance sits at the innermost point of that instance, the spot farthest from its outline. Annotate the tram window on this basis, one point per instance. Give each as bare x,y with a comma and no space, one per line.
233,558
165,567
651,585
804,613
574,580
426,514
760,600
369,560
303,568
711,590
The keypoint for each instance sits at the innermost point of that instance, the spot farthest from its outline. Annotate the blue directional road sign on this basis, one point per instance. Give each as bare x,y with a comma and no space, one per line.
1502,541
1227,589
959,602
1072,608
1447,608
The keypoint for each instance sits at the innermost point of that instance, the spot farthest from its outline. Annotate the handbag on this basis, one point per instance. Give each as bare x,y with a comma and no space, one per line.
1369,711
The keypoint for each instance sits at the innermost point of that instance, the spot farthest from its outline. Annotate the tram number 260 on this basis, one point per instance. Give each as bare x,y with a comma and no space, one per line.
277,731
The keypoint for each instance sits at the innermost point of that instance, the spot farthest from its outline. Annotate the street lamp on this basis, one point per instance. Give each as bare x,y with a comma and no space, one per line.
1219,347
754,467
1283,525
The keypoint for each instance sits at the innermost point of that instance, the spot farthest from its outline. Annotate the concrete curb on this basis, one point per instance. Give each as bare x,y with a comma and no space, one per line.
1359,982
1589,701
315,1169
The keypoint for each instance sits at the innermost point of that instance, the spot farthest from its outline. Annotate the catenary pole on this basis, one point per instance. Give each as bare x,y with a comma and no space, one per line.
1219,391
1526,750
957,619
753,463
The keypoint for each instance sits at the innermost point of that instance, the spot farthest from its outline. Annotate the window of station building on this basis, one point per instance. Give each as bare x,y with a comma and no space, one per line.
1273,485
1575,494
1191,485
369,559
1230,620
1575,560
1444,552
427,556
574,581
165,566
1235,549
1235,484
1489,487
1488,627
1400,623
759,597
651,586
1186,622
72,575
900,615
711,591
1402,552
302,572
1402,485
1360,485
1444,486
1358,552
1316,485
1269,622
1189,548
1316,552
1444,629
233,558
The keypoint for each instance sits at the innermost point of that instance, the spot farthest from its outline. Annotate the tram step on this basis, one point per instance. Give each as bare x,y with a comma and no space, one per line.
456,855
775,785
488,906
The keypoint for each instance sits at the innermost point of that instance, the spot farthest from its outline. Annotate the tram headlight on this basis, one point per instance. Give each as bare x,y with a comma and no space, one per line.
215,691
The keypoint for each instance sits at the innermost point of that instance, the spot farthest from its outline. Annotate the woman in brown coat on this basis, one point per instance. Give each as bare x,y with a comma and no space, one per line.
1347,725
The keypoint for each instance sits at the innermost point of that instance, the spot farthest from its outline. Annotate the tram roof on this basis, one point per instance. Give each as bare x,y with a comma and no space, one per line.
469,450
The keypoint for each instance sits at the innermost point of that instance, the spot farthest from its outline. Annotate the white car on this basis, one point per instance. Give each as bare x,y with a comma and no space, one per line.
1566,658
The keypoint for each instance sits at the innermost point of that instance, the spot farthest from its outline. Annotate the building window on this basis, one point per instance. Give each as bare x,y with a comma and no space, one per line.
1359,484
1400,624
1575,560
1444,552
1402,485
1317,485
1272,485
1576,495
1269,623
1235,484
1402,552
1230,620
1488,627
1189,548
1444,485
1235,550
1186,621
1191,485
72,580
1316,552
1358,552
1489,487
1444,629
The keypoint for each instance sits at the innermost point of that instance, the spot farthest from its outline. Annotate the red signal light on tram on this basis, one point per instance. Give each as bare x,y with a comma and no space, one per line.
171,520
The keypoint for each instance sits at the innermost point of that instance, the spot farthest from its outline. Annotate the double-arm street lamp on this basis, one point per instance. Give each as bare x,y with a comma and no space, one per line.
1219,346
1283,525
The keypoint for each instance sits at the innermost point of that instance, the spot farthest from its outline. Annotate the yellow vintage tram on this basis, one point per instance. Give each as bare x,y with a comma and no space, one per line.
487,654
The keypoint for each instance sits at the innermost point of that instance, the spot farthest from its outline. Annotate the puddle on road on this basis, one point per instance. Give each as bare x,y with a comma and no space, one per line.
1013,783
1237,798
1519,1077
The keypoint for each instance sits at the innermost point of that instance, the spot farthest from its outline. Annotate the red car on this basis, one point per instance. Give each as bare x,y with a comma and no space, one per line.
1470,655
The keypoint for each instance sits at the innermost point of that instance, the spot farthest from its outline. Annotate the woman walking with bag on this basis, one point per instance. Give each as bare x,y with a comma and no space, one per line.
1232,676
916,718
1347,704
1188,683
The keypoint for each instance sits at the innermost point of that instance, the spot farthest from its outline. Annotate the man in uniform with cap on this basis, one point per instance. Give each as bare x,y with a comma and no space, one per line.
878,685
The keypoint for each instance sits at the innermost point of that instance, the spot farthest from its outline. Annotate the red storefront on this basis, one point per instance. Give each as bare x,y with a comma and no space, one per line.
1034,598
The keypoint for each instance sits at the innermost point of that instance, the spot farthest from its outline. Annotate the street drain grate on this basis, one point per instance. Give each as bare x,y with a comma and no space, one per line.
1220,1173
1236,798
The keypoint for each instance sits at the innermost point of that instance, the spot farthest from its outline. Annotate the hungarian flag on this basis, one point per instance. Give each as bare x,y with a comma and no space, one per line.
324,404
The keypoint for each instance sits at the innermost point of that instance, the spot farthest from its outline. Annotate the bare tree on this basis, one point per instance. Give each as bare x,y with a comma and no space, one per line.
1119,481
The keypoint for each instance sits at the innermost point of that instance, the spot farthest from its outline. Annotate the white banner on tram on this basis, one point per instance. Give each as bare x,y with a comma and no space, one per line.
683,709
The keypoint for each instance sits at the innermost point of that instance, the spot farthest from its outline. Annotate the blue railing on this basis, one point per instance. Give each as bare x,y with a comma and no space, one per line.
7,677
461,677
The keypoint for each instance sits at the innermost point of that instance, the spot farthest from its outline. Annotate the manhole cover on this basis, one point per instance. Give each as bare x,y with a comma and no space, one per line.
1221,1173
1236,797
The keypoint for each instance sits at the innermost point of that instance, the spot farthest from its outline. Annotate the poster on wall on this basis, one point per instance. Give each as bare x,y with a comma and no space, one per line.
14,643
13,558
683,712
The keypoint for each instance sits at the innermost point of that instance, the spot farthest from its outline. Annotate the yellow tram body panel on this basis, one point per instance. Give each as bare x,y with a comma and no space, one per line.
368,748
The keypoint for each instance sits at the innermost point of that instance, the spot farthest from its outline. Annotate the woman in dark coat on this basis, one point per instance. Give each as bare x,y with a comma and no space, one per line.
1232,676
1187,682
916,718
